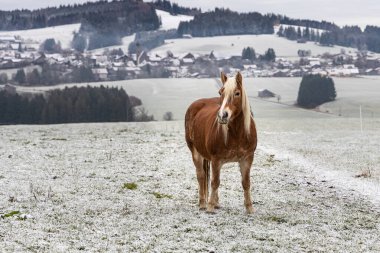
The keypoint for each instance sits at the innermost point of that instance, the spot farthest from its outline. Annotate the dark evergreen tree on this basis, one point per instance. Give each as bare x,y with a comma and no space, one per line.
315,90
269,55
290,33
299,33
20,76
249,54
306,33
326,39
34,77
281,31
50,46
79,42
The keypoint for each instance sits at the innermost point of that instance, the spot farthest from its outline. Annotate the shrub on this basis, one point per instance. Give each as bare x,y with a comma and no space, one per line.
168,116
315,90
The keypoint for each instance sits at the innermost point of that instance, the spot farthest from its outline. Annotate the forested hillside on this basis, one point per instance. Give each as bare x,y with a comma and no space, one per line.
227,22
103,23
174,8
106,27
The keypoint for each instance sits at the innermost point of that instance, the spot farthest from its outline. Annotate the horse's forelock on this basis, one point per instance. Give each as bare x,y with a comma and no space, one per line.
229,89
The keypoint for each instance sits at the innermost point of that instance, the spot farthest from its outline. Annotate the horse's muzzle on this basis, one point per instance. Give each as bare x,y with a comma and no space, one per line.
221,120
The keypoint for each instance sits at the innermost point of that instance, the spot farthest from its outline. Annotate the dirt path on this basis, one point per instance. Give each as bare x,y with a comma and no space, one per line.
69,184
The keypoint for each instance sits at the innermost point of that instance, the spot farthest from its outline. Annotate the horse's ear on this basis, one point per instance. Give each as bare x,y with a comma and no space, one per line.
239,79
223,77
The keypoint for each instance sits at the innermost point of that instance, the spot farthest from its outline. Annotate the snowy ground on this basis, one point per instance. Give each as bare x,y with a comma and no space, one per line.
66,182
316,179
34,37
124,46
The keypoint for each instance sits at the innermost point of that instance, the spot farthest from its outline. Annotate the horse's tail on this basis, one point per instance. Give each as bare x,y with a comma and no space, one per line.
206,169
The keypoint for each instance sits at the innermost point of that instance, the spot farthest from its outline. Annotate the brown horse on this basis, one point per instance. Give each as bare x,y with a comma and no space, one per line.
221,130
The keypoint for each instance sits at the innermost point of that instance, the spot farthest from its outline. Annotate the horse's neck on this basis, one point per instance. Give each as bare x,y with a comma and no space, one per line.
235,128
237,125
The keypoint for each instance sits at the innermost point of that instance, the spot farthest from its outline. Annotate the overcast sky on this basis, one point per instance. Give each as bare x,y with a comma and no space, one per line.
342,12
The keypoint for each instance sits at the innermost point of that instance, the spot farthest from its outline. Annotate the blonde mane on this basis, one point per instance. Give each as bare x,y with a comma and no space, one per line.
229,89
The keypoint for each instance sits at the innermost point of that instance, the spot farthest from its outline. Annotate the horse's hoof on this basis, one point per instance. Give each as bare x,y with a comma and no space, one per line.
202,208
217,206
250,210
210,209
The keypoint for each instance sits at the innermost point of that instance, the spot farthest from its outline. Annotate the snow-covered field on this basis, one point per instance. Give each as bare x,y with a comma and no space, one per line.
131,187
65,189
170,21
174,95
34,37
227,46
124,46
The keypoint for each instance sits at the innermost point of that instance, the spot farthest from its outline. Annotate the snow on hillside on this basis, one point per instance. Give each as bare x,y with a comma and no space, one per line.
277,27
125,45
170,21
227,46
34,37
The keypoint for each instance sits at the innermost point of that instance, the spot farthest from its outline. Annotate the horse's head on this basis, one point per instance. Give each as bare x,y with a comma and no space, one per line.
231,95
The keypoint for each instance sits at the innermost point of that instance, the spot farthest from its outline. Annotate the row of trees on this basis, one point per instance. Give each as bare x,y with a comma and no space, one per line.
292,33
227,22
64,14
349,36
249,53
174,8
71,105
49,75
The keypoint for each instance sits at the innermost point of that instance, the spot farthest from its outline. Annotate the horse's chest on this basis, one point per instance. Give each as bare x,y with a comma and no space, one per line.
231,151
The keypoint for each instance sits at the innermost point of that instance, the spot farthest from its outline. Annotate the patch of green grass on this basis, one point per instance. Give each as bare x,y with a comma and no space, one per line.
59,139
124,130
10,214
130,186
276,219
270,161
161,195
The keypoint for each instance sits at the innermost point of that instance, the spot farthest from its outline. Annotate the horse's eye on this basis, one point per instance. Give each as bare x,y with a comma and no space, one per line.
237,94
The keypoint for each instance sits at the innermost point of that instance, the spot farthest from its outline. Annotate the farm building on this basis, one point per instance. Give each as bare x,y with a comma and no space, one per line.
266,94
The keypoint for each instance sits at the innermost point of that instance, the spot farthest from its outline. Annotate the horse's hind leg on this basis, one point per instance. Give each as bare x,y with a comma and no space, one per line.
245,169
201,176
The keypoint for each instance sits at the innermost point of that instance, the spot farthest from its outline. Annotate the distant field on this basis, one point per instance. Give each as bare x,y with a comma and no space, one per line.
35,37
226,46
175,95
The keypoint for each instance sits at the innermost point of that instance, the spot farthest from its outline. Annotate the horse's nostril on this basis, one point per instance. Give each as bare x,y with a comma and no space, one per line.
225,115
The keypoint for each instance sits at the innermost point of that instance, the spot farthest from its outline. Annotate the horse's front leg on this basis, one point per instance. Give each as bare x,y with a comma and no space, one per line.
245,170
215,182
